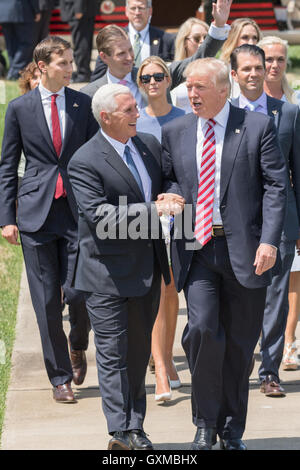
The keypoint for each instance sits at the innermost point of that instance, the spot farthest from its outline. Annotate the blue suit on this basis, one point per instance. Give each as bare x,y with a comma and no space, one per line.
17,20
48,226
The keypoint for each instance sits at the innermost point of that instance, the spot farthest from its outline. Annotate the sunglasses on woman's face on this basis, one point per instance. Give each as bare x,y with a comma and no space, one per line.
158,77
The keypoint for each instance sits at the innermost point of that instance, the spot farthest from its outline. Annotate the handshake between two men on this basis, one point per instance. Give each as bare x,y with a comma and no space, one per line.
169,204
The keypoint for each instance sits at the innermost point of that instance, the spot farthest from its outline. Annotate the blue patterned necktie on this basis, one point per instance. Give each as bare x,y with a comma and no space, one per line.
133,168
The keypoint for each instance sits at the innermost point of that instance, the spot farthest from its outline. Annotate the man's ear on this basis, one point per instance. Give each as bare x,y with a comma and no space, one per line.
104,117
42,66
103,56
234,76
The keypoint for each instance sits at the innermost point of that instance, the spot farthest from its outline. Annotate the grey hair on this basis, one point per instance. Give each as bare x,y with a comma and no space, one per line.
149,3
219,71
104,98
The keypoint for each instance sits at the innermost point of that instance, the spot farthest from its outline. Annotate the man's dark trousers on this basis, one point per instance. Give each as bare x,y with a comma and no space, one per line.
224,320
50,256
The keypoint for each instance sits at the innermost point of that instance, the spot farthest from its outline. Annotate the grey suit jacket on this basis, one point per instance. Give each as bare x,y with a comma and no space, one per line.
252,189
115,265
286,117
91,88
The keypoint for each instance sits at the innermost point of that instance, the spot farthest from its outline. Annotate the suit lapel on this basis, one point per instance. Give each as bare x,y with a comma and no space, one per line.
154,42
233,135
188,147
274,111
39,115
72,112
150,166
115,161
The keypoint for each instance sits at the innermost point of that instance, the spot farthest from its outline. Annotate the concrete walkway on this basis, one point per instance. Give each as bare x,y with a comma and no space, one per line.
34,421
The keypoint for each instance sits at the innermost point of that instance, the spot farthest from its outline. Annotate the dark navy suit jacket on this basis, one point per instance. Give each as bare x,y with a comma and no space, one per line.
286,117
26,129
252,188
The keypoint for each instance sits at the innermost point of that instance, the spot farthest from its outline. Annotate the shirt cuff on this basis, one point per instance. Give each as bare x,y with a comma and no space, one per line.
219,33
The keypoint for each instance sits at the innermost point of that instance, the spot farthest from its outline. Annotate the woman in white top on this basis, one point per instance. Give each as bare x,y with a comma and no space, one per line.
243,31
190,36
276,85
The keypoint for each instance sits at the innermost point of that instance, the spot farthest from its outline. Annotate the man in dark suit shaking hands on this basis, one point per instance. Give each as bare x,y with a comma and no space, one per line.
48,124
119,269
227,165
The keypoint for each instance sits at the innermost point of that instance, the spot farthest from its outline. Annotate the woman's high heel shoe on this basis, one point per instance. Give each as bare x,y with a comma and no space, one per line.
290,358
165,396
175,383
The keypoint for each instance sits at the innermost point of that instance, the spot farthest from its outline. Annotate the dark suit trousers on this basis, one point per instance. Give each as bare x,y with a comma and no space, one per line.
50,256
122,329
224,323
82,36
19,39
275,315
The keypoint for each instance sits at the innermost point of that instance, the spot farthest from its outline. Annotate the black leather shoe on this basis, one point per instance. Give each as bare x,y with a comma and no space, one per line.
204,439
119,441
139,441
232,444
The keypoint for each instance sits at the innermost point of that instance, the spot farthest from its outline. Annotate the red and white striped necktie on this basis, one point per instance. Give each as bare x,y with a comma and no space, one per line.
205,198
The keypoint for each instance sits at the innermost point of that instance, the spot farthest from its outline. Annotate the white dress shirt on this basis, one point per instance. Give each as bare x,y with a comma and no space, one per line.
221,122
130,84
120,149
61,107
144,40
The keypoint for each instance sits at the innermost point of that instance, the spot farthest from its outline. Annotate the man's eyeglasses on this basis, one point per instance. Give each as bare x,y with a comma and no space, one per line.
158,77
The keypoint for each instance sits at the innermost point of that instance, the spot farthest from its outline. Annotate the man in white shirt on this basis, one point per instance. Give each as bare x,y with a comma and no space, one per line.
48,124
248,70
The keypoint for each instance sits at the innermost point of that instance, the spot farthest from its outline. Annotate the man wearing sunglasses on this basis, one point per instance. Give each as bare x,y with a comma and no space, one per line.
111,45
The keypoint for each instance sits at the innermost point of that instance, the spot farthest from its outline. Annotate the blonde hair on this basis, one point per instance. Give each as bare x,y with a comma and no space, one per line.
287,90
153,59
236,28
183,33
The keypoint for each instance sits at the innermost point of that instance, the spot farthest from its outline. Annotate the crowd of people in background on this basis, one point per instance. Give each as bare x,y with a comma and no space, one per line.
159,72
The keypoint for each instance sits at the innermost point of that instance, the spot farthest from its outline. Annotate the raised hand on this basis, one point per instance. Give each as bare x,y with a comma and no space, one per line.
220,12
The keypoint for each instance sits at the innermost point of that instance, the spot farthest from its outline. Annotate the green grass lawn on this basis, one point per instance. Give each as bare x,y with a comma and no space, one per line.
10,273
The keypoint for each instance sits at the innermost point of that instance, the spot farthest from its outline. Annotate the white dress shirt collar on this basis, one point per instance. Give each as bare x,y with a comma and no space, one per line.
221,118
112,79
143,33
45,93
